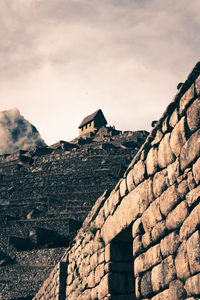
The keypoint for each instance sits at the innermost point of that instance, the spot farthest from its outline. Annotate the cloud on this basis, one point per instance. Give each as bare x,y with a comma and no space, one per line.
16,133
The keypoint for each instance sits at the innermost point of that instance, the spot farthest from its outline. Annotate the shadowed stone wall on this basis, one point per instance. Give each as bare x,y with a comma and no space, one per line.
142,241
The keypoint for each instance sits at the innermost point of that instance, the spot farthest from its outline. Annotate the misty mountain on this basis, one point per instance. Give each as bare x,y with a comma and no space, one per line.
16,133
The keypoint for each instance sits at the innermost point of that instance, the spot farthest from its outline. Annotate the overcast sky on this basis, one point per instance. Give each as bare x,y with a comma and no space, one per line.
61,60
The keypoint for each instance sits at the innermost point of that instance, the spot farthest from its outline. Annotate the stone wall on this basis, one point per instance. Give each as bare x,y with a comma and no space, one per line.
142,240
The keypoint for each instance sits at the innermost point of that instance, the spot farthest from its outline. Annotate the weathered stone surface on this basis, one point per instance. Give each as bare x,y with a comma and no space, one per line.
123,188
176,290
193,196
196,171
192,285
178,137
152,215
168,200
193,115
182,189
137,245
137,227
162,274
186,99
158,231
139,170
173,172
99,273
145,284
130,181
165,154
197,86
113,201
182,262
169,244
137,287
147,259
191,223
190,181
165,295
190,151
146,239
160,182
157,138
176,217
152,161
174,118
193,251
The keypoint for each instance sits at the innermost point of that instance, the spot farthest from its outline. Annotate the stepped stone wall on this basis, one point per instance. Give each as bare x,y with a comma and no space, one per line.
142,240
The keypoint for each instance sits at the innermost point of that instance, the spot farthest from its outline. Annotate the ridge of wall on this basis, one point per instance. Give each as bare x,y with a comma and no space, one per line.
142,240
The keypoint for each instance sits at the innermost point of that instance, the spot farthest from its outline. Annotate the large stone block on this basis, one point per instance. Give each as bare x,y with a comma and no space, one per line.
145,284
158,138
191,223
177,291
130,180
190,151
168,200
174,118
177,216
99,273
147,260
182,189
193,252
178,137
163,274
169,244
139,170
190,181
193,196
160,182
152,215
137,245
165,154
186,99
193,115
146,239
137,228
123,188
196,171
182,262
152,161
158,231
192,285
173,172
165,295
197,86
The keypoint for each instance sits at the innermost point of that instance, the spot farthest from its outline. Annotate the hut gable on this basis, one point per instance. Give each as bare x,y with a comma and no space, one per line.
92,122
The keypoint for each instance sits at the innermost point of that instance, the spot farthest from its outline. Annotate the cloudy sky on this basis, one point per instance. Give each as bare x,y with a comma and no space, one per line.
61,60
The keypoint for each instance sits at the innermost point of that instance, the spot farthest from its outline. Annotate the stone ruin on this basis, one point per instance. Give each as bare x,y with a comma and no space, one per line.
142,240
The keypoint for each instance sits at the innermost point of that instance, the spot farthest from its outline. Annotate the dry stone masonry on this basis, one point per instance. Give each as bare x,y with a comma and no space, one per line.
142,240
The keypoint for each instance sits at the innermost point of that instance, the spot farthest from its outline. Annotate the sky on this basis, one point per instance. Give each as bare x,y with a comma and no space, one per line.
61,60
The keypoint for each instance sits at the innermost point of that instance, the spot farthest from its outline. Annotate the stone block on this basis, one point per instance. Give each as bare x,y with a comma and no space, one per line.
165,154
191,223
190,151
93,261
177,216
146,239
182,189
137,287
158,231
193,252
176,290
130,180
163,274
173,172
174,118
178,137
193,196
137,245
158,138
139,170
197,86
165,125
196,171
137,227
168,200
186,99
165,295
94,293
147,260
192,285
145,284
152,161
169,244
182,262
152,215
190,180
91,279
99,273
160,182
193,115
103,288
123,188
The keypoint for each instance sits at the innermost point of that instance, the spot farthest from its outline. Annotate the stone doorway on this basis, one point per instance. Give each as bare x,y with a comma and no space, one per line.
119,255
